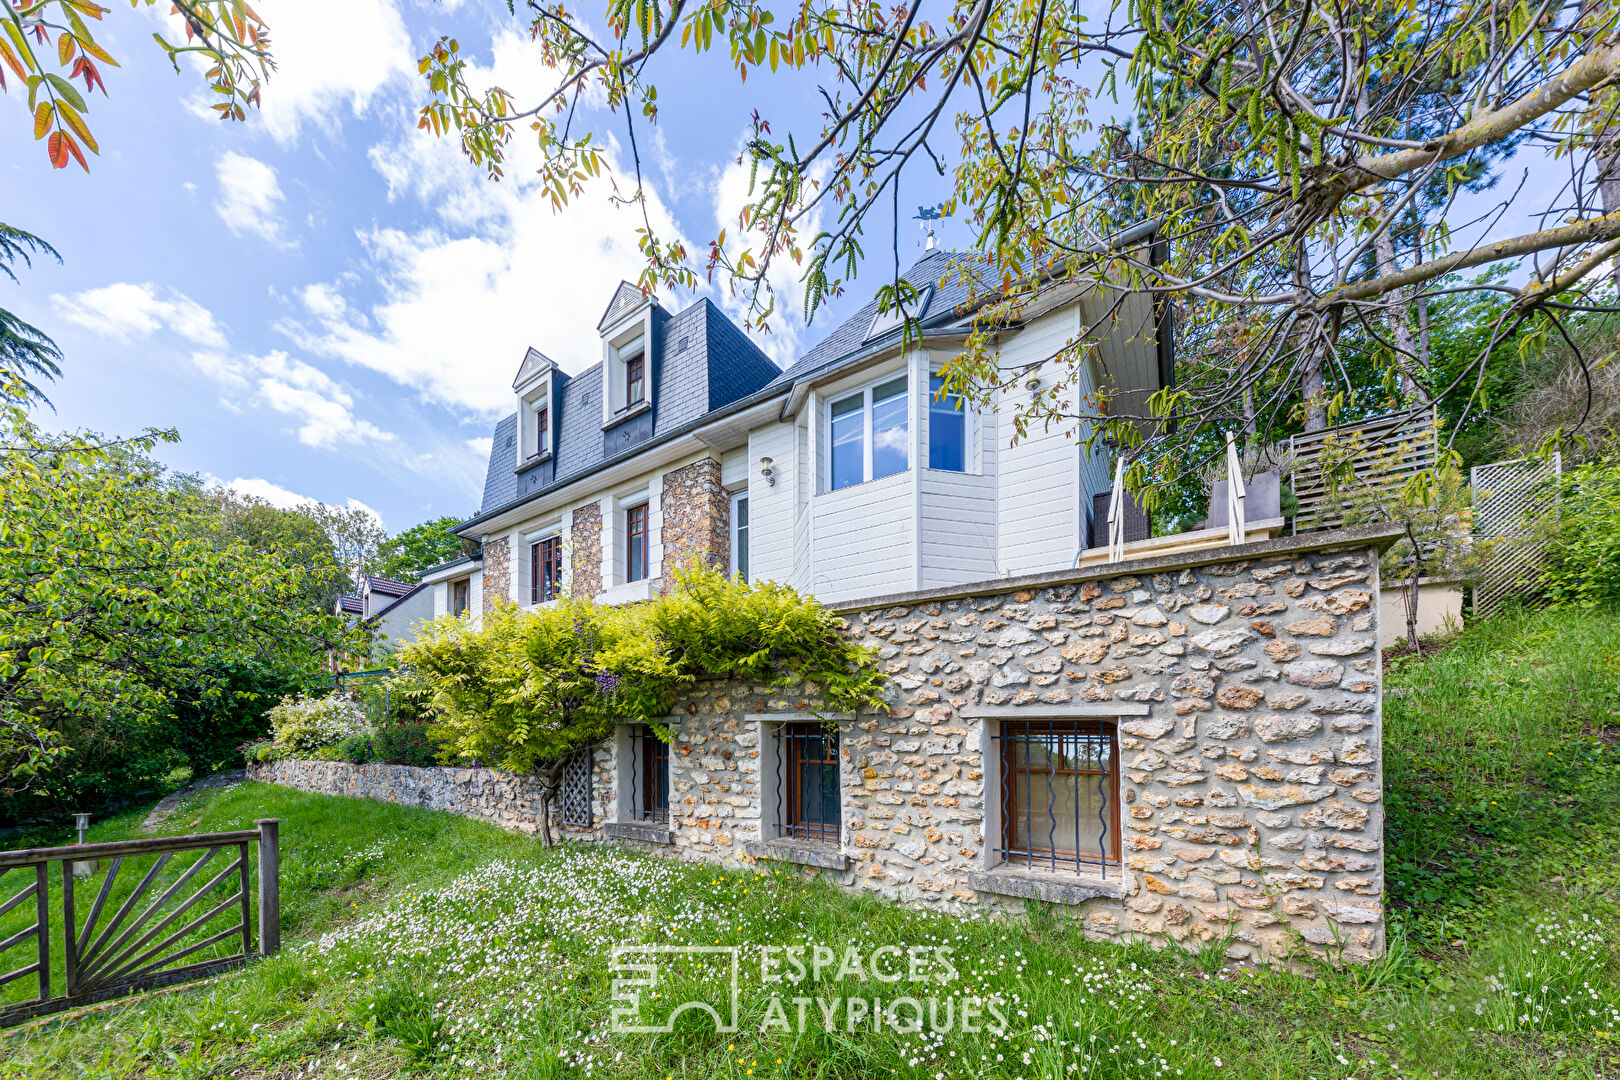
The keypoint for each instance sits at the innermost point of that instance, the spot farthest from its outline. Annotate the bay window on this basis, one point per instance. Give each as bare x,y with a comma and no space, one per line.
947,429
869,434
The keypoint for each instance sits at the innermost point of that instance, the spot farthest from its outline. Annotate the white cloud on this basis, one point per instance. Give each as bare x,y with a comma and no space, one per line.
250,198
787,340
463,299
127,312
257,487
328,56
481,447
324,407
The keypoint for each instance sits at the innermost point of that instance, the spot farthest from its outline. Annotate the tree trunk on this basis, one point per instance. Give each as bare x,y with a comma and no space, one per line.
550,778
1311,387
1609,187
1400,332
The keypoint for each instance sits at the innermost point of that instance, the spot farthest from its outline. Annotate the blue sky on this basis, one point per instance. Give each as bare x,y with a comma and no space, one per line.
330,304
327,303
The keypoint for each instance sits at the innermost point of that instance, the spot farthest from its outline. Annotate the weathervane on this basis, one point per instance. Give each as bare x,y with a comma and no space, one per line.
925,217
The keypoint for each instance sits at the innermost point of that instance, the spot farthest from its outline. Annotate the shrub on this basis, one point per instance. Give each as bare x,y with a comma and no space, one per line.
406,744
304,723
527,688
355,749
1584,542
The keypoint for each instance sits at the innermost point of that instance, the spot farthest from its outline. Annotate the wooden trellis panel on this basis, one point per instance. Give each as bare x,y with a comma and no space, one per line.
1508,497
1413,433
574,795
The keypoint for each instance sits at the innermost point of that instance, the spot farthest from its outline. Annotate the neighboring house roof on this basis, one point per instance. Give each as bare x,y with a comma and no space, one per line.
374,616
388,586
457,561
351,605
703,362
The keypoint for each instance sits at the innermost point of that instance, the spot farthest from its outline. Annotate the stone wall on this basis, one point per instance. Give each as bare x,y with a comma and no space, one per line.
585,554
497,571
1247,702
696,526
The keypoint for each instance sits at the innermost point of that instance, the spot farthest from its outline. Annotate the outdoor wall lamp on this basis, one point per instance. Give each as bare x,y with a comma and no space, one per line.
765,471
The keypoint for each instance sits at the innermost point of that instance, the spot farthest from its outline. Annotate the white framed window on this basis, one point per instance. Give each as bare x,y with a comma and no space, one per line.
869,433
628,373
739,534
950,429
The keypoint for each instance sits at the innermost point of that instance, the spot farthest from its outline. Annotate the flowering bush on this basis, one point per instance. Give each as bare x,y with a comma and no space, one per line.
304,723
527,688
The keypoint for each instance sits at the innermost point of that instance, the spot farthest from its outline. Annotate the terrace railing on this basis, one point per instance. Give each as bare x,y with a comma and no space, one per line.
131,937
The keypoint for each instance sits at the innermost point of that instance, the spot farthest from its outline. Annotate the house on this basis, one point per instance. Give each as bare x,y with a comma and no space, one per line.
393,608
843,476
1180,745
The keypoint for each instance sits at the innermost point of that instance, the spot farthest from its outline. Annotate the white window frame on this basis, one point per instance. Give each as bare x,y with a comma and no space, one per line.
741,495
868,444
970,432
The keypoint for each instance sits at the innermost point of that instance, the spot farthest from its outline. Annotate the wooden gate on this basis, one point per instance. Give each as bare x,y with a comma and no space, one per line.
164,918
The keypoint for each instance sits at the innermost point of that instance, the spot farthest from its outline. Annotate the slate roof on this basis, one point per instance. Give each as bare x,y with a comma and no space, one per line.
704,362
701,362
351,605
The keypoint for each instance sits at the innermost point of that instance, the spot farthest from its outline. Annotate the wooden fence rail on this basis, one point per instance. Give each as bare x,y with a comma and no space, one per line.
135,950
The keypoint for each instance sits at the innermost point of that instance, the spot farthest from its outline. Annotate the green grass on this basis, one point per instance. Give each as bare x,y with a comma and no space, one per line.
424,944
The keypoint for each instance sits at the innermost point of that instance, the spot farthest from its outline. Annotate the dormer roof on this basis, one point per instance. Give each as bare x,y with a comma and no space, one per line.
534,362
625,297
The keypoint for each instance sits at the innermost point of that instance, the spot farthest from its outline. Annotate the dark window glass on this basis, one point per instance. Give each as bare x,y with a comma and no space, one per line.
635,536
739,557
1059,793
810,798
542,429
848,441
460,597
947,429
545,570
891,450
634,379
650,769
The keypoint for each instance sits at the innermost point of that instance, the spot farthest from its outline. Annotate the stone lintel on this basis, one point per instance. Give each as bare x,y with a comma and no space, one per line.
803,852
648,832
1035,886
1054,712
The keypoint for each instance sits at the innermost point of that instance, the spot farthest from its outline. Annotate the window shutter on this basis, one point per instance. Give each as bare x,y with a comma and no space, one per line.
525,574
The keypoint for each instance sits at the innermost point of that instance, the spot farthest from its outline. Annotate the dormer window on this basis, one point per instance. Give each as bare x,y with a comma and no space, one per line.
635,381
537,386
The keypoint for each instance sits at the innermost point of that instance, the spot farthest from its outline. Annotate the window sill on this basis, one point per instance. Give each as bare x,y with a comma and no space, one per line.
531,461
903,474
625,414
804,852
648,832
1057,888
629,592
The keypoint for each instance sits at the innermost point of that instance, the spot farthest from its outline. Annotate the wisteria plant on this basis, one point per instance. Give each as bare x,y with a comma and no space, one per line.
528,687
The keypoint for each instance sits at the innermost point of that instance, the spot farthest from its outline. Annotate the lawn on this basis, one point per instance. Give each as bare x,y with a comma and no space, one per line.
422,943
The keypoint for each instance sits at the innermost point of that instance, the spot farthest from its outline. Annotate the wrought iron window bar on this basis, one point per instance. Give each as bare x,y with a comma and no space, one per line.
807,790
1066,765
649,775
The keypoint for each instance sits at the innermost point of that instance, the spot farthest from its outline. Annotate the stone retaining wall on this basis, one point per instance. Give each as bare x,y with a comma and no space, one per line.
1247,702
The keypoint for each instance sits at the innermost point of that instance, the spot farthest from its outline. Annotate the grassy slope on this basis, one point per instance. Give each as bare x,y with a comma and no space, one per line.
451,946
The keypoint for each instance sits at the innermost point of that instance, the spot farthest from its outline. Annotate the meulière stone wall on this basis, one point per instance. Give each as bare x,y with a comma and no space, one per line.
585,571
497,571
696,526
1247,701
